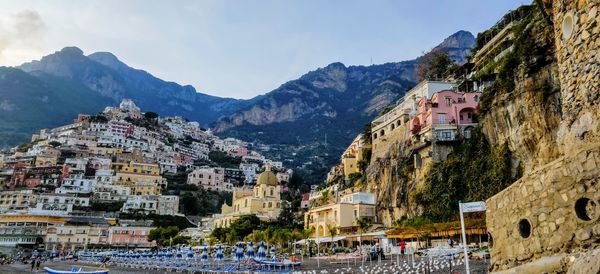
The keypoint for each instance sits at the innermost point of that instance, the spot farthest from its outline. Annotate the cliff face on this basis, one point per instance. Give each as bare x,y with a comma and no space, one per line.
527,118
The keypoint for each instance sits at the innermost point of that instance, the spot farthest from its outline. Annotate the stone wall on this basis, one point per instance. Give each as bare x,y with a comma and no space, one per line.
577,33
554,208
546,211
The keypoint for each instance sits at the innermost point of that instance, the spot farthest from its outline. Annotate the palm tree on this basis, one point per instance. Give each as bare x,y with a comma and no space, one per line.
363,225
333,231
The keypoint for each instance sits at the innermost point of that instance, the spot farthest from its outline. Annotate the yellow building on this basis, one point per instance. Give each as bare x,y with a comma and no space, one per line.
341,215
142,178
78,233
352,155
20,230
17,199
263,200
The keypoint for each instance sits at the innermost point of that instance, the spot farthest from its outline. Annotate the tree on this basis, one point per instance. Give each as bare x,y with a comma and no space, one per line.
190,204
333,231
164,235
286,215
435,64
363,224
151,115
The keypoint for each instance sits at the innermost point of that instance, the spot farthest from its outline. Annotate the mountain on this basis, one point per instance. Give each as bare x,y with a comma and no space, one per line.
29,103
331,103
105,74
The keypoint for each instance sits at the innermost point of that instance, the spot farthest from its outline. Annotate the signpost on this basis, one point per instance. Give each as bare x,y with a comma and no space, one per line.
464,208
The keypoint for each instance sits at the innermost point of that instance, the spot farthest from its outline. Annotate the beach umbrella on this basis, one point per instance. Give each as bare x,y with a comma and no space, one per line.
273,257
250,250
190,254
239,253
261,255
204,255
219,253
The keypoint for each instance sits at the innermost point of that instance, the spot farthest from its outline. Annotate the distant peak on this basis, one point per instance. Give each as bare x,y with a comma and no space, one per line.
71,51
104,55
107,59
336,65
460,39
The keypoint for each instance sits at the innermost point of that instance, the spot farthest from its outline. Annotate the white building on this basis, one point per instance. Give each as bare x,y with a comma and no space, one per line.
157,204
249,171
109,192
59,203
76,184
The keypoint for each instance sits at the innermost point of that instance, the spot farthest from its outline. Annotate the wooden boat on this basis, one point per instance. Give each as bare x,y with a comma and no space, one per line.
75,270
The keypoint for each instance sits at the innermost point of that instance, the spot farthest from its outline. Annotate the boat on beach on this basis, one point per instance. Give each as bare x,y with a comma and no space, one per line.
75,270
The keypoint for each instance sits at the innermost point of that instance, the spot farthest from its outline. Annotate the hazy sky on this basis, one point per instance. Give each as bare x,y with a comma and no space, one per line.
239,48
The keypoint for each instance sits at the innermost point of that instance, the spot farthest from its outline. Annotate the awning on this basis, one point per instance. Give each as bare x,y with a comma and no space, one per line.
322,239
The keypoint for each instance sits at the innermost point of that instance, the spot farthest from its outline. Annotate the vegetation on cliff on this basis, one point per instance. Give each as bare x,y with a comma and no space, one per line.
473,172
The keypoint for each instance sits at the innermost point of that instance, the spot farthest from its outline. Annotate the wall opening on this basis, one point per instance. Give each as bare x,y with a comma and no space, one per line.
567,26
490,240
585,209
524,228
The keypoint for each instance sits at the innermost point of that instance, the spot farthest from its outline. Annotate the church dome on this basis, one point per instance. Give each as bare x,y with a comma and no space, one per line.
267,178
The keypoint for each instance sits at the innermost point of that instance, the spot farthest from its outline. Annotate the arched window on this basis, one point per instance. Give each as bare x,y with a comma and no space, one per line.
271,191
374,136
382,132
278,204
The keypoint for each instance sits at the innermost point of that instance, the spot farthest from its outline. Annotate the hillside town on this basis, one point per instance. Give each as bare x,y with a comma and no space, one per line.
60,190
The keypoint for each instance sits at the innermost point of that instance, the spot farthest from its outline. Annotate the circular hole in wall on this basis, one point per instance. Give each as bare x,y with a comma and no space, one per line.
567,26
585,209
524,228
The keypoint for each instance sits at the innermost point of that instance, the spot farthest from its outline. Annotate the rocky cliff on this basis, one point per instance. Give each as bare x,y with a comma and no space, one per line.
523,121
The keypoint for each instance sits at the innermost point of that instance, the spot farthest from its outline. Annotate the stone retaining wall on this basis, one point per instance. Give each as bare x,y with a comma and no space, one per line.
552,209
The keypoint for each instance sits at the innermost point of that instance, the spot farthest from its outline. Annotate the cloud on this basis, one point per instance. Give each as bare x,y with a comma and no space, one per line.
21,31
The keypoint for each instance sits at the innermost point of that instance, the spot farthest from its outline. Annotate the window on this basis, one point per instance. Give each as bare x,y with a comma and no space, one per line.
448,101
476,98
442,119
271,191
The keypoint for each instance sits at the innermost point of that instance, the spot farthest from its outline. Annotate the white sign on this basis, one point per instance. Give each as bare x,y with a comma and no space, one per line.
473,207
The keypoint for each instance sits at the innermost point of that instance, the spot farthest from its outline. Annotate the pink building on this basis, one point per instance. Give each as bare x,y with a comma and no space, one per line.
130,236
446,112
238,152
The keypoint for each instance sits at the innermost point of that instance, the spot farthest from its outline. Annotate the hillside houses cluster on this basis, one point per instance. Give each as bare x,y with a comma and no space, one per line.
119,155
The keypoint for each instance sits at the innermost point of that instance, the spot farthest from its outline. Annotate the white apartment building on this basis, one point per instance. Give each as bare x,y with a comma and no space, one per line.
157,204
59,203
109,192
76,184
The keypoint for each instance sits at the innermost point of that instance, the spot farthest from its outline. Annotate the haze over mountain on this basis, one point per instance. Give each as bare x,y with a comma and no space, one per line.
334,101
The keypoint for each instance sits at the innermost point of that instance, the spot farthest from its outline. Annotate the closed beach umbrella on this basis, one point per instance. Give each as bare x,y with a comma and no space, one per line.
219,253
239,253
250,250
190,254
262,252
204,255
274,258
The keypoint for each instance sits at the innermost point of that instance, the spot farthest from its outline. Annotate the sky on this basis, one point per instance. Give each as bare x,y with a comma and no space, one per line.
239,48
